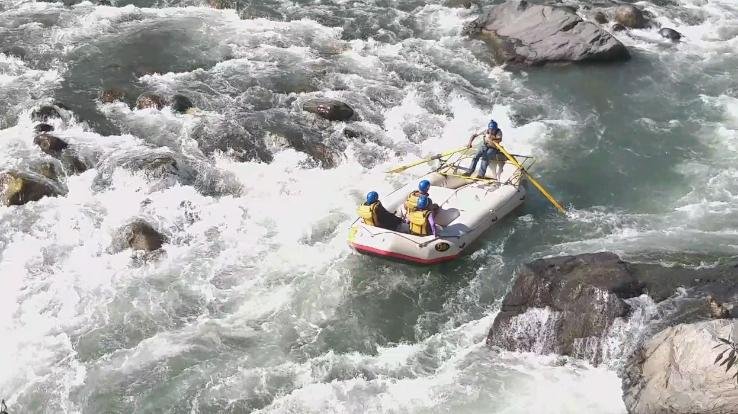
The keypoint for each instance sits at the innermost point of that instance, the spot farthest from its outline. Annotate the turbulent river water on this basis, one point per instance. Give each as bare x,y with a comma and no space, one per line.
257,303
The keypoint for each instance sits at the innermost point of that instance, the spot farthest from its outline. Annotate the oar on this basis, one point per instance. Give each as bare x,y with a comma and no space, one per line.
435,157
540,188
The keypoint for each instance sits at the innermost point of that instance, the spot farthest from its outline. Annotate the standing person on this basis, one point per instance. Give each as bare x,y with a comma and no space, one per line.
487,151
374,214
422,222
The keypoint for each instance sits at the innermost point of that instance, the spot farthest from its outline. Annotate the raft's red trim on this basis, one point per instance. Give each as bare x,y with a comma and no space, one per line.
385,253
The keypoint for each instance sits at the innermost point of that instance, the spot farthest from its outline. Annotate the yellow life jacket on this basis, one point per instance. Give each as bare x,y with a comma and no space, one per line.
368,213
411,204
419,224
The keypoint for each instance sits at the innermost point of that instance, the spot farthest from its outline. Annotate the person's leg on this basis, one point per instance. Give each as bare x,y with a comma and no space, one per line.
474,162
487,153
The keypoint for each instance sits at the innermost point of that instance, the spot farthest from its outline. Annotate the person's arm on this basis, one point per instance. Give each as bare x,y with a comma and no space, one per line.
471,139
432,222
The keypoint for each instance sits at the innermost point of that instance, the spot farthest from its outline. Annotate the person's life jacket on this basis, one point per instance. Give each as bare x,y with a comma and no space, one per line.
419,224
490,137
368,213
411,203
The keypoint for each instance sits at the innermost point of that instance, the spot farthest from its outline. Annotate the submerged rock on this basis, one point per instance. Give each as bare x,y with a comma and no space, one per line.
150,100
112,95
18,188
46,112
140,235
50,144
676,371
524,33
617,27
717,310
41,128
670,34
181,104
564,305
630,16
600,17
330,109
15,51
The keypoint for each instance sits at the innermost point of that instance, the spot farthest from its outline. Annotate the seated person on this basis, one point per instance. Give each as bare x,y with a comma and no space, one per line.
421,219
412,199
374,214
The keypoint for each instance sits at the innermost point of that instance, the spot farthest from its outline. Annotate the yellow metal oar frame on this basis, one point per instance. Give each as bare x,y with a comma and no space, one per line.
423,161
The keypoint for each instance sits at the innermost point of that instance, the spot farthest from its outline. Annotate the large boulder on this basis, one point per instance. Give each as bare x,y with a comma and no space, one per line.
329,109
140,235
564,305
676,371
18,188
529,34
630,16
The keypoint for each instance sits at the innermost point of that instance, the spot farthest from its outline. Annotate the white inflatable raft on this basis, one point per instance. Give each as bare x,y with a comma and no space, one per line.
467,209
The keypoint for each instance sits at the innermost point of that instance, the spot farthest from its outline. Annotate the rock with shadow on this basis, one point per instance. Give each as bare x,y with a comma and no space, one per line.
523,33
18,188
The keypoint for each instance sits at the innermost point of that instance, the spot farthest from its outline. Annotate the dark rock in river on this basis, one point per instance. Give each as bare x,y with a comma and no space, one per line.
630,16
50,144
582,295
150,100
617,27
676,371
600,17
140,235
46,112
717,310
112,95
181,104
529,34
670,34
18,188
459,3
330,109
222,4
566,305
41,128
15,51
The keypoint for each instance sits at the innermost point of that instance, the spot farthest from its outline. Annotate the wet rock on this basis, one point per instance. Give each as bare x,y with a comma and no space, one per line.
103,3
330,109
72,162
617,27
41,128
181,104
112,95
150,100
222,4
46,112
717,310
676,371
564,305
630,16
18,188
140,235
15,51
529,34
50,144
459,3
599,17
670,34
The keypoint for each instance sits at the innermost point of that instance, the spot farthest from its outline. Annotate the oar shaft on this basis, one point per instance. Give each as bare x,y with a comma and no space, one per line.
533,181
423,161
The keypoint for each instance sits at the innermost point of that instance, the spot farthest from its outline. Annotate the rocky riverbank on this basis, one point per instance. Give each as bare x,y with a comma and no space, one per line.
569,305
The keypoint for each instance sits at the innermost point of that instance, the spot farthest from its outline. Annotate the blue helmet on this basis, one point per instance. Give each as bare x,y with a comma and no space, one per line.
422,202
492,124
424,186
372,197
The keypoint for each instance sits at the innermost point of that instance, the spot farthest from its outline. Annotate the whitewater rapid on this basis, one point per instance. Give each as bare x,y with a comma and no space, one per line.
257,303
